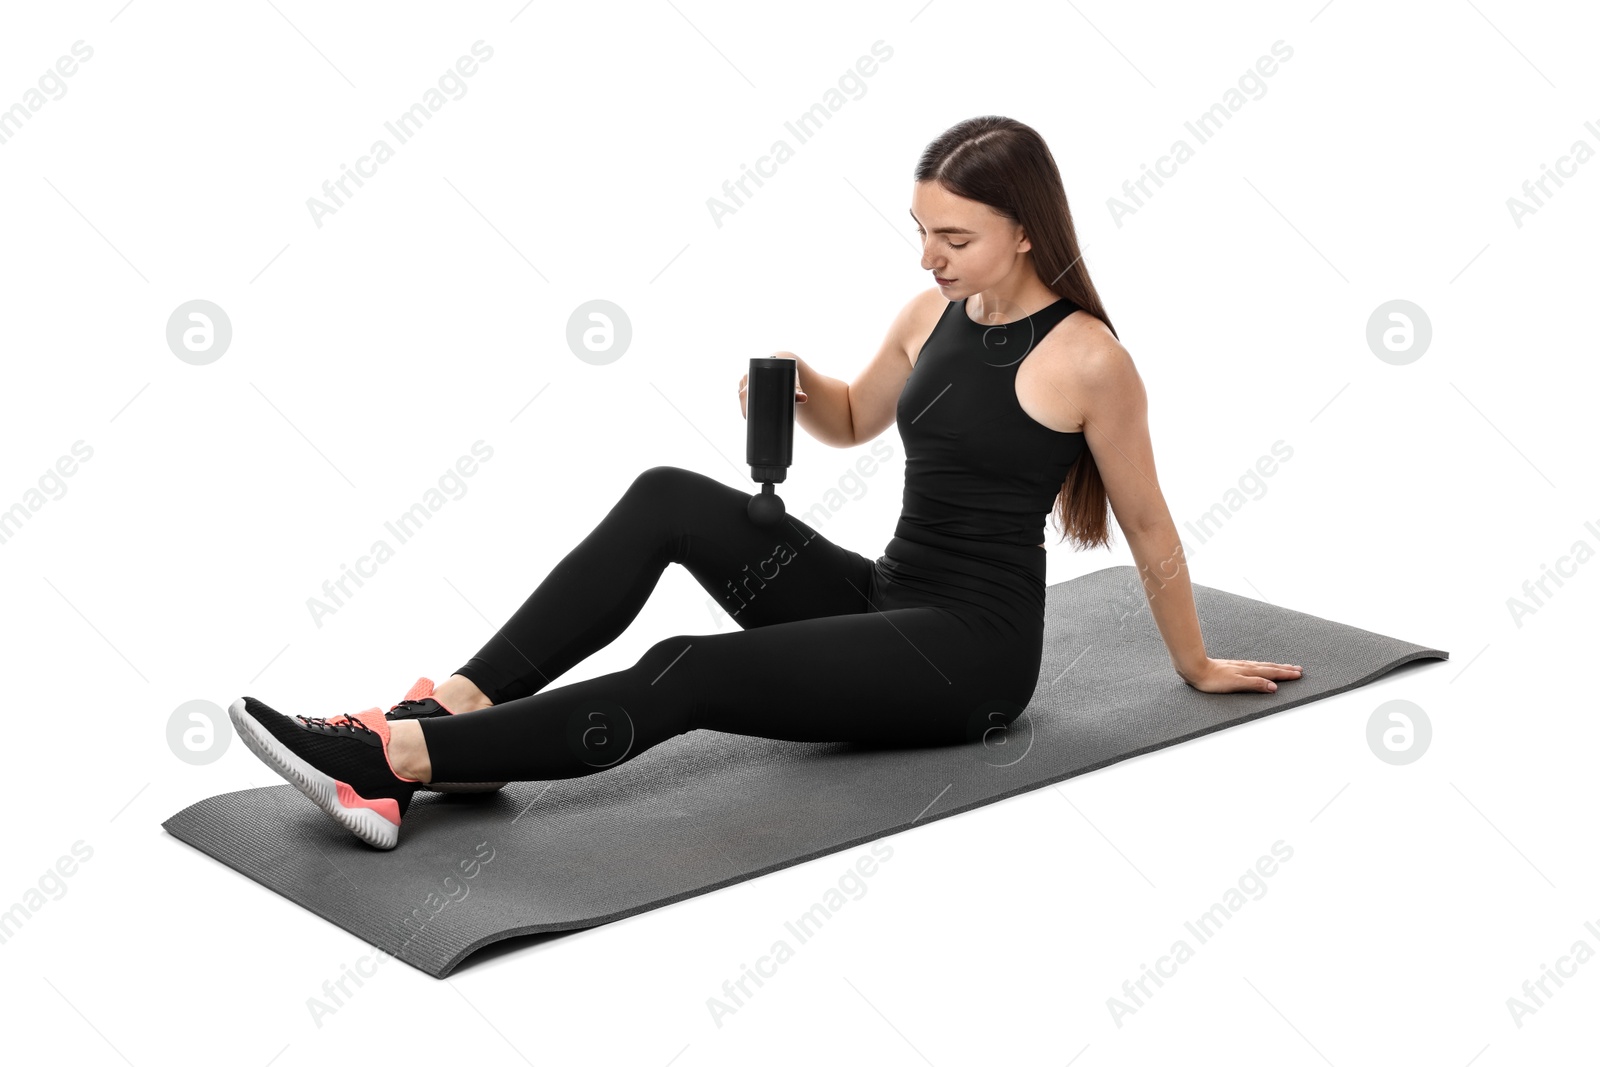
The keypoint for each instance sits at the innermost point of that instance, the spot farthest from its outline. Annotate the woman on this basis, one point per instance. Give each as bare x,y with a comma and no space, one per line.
1011,394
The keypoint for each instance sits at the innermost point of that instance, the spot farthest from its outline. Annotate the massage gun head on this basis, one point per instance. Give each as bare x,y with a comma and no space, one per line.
766,508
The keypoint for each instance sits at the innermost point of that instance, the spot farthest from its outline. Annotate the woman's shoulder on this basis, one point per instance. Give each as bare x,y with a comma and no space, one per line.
919,316
1079,358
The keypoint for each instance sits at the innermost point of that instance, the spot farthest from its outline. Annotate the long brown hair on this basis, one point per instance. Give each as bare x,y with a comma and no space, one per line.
1005,164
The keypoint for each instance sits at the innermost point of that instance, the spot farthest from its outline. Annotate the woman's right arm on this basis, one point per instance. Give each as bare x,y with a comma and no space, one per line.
846,414
826,413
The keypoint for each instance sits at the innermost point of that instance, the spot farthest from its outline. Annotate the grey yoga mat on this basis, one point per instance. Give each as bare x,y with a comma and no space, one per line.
705,810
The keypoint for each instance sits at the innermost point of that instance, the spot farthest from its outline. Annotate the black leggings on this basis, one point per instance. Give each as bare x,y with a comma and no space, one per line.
929,644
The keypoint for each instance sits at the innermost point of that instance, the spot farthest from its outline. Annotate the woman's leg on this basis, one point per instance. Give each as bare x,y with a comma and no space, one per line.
906,676
760,575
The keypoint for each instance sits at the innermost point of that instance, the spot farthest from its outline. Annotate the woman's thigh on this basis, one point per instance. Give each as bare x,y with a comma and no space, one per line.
760,575
907,676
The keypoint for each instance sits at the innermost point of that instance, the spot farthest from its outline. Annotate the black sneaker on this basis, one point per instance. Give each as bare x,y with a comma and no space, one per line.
341,764
419,703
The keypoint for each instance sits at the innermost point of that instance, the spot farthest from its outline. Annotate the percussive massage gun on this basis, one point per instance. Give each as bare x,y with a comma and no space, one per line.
769,433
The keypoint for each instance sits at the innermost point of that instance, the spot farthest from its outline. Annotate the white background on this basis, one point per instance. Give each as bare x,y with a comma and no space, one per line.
430,312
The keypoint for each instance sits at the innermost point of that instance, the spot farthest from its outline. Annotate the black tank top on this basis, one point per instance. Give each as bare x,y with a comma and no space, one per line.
977,466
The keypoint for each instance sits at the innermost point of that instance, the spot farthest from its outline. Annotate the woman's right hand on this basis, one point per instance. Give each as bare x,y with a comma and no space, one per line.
744,385
1241,675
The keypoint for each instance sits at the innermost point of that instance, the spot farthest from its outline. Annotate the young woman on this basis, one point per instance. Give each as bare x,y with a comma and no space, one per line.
1012,395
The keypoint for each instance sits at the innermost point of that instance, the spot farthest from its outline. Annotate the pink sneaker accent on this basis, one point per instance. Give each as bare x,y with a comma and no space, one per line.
423,689
386,807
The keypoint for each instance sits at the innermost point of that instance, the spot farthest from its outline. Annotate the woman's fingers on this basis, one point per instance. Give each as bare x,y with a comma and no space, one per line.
1258,665
1259,674
1254,677
799,394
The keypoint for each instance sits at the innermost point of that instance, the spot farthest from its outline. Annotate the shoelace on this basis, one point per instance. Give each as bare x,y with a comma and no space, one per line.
334,723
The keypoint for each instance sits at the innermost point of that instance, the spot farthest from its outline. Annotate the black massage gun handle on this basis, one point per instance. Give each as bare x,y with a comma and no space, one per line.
769,409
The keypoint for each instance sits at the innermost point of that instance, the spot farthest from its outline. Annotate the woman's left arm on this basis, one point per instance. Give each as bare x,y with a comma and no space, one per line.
1111,400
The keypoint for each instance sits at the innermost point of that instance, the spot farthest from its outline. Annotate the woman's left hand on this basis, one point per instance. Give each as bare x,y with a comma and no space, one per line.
1239,675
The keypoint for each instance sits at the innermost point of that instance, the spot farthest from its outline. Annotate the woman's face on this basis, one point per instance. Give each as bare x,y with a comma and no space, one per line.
968,246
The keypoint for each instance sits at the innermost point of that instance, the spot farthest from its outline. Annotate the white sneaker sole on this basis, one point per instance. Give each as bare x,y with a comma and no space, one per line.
321,789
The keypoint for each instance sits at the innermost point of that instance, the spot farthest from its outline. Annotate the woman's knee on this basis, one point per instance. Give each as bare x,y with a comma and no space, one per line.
668,665
674,492
664,481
